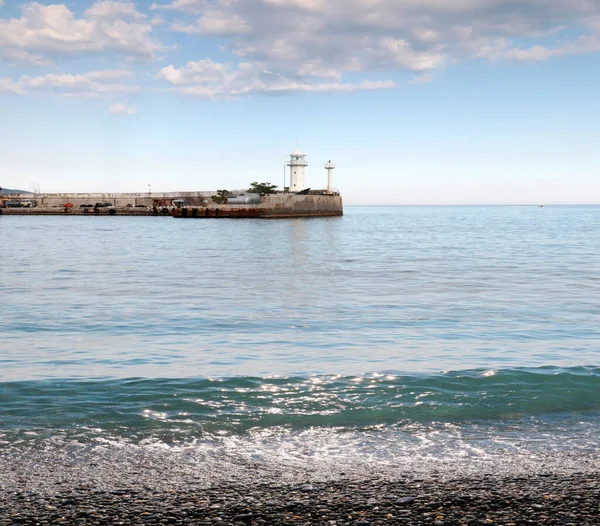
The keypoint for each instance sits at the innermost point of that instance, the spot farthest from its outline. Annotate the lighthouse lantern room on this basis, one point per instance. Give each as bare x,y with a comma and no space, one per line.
297,165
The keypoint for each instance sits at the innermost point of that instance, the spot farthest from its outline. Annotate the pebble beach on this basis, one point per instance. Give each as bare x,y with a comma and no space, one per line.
541,499
133,486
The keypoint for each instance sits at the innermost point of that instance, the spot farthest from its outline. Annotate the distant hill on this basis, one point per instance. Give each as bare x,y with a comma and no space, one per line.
9,191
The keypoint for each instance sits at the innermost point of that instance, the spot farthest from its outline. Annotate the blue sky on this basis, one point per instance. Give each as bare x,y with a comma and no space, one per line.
416,101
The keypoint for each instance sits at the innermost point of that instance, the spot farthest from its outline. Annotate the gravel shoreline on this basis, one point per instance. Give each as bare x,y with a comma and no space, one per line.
557,499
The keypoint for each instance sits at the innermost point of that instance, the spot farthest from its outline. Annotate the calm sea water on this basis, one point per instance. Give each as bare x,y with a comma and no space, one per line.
391,334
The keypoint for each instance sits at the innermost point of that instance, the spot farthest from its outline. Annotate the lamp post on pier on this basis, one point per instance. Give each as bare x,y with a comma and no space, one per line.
329,166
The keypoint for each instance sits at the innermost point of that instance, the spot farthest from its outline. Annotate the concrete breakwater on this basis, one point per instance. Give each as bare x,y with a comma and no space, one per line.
316,203
271,207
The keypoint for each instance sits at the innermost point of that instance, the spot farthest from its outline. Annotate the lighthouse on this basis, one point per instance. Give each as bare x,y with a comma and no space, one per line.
297,165
329,166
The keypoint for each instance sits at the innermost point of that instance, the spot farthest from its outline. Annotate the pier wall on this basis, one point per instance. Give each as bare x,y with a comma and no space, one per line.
272,206
291,205
198,204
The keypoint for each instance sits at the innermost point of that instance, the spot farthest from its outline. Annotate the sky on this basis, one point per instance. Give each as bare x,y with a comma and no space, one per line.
416,101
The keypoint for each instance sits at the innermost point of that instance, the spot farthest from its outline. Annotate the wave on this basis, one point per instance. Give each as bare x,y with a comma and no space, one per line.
237,405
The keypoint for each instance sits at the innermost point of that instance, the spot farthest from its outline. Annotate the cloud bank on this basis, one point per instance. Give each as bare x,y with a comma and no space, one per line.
215,48
314,44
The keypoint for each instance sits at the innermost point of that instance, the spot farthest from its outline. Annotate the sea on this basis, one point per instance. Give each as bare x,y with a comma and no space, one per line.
422,341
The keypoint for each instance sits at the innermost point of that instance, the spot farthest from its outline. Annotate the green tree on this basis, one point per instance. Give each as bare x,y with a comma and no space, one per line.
221,197
262,188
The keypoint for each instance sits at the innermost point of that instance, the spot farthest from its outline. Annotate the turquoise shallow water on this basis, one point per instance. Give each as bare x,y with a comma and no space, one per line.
389,333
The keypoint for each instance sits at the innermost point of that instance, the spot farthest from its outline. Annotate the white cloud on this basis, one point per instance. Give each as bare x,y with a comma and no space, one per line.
110,75
157,21
401,52
192,6
503,50
111,10
216,23
75,85
20,56
47,31
206,78
98,84
10,86
120,109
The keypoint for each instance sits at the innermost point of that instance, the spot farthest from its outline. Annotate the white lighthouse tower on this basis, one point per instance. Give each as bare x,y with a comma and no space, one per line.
297,165
329,166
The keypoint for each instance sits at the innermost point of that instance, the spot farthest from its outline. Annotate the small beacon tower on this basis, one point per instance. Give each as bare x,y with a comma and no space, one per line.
329,166
297,165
